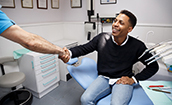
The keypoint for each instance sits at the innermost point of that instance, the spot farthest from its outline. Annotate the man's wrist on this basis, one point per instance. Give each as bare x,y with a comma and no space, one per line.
134,79
70,53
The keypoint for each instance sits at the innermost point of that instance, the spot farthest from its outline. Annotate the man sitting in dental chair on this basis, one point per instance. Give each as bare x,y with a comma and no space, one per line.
117,53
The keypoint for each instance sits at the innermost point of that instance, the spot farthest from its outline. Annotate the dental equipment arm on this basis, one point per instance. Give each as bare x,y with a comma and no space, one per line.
161,47
160,57
155,46
157,53
160,52
151,48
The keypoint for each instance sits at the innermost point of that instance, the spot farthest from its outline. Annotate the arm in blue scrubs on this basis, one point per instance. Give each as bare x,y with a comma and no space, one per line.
5,22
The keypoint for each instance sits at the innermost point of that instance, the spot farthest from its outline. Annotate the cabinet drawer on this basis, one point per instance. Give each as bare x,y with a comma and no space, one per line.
47,74
46,65
47,69
38,61
48,82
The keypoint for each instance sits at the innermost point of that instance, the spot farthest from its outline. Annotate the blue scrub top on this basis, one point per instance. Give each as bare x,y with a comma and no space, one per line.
5,22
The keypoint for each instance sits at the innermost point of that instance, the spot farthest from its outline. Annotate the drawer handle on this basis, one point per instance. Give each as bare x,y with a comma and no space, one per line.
32,65
50,81
45,56
50,63
51,72
48,60
49,68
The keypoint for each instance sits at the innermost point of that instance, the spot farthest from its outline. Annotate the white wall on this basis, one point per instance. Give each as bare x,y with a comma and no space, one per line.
147,11
73,14
51,31
153,33
26,16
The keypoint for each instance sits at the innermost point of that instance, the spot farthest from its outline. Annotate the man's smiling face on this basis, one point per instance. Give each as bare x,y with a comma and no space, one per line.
121,26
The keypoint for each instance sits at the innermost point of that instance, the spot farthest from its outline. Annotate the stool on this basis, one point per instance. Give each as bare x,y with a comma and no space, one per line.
11,80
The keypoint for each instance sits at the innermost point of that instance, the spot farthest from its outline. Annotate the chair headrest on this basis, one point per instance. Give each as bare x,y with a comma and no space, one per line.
6,59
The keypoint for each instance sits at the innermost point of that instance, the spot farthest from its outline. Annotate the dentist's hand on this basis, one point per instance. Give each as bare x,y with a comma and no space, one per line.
65,58
125,80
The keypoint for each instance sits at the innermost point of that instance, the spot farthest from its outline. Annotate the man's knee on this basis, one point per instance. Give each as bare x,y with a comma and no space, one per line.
86,99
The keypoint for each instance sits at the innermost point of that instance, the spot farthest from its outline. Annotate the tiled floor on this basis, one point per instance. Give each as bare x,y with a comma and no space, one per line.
67,93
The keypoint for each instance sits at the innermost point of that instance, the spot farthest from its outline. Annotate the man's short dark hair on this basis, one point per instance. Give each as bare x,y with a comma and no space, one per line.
132,17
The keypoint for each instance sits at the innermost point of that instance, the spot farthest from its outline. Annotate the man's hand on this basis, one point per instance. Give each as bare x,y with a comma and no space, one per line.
125,80
65,58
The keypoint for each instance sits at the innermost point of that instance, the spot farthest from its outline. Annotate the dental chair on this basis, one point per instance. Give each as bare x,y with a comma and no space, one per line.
12,80
86,73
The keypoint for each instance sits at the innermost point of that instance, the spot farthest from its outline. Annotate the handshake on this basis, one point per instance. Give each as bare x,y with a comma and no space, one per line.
65,56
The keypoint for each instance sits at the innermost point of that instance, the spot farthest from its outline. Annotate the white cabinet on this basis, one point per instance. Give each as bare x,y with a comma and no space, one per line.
42,72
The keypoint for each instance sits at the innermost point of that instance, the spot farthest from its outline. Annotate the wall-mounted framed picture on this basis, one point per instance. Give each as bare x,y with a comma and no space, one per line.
108,1
27,3
7,3
76,3
55,4
42,4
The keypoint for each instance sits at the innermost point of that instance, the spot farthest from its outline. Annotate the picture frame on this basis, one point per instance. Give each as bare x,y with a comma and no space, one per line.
55,4
76,3
27,3
7,3
108,1
42,4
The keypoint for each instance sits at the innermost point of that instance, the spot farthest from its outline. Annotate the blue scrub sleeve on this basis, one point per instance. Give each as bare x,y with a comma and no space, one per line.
5,22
